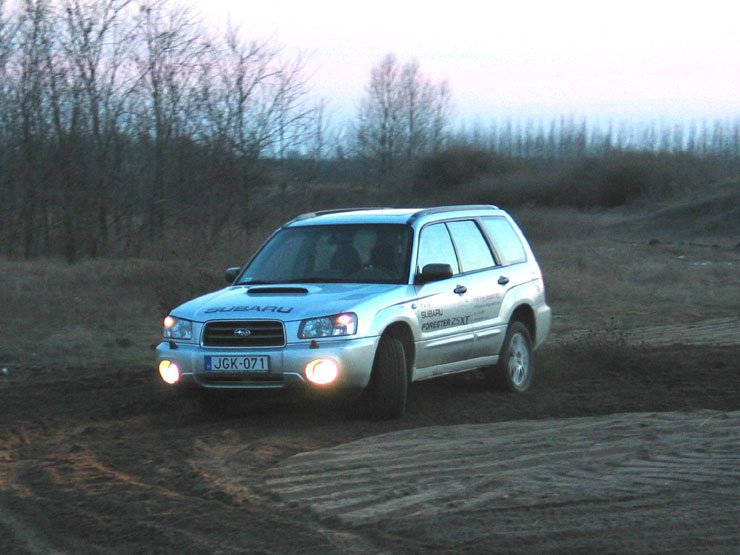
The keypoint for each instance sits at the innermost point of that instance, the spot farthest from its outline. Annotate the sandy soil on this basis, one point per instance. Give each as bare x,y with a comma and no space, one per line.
619,482
628,442
642,458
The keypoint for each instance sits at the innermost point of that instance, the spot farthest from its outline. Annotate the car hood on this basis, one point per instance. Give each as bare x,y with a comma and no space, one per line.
287,302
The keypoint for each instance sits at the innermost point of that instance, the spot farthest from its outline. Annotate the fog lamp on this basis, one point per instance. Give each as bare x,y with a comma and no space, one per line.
322,371
169,372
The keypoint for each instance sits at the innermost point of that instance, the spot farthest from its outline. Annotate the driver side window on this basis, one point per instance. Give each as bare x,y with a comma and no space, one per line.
435,247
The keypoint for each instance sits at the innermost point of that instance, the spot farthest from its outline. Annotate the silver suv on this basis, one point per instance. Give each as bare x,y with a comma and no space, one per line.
364,302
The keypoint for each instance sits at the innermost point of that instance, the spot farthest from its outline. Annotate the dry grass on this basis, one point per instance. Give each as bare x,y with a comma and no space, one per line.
602,275
599,279
104,312
67,315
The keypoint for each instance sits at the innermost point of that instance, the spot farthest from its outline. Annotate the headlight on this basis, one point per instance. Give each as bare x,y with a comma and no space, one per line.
175,328
329,326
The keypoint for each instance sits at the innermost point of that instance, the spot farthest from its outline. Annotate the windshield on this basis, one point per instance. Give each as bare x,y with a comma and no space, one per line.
356,253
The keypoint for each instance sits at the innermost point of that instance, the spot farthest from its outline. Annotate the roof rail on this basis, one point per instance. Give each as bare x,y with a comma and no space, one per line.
308,215
456,208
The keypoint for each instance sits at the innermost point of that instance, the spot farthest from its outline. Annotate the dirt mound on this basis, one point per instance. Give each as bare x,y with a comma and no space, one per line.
702,214
598,478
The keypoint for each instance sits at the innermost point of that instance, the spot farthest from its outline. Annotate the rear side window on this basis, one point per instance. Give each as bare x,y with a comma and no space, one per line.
471,246
505,240
435,247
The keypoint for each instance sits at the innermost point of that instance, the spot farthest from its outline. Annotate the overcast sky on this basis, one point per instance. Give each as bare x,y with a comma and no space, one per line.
627,59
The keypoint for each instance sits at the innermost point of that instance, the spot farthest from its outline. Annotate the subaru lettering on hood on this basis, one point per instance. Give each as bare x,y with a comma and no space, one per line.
279,309
235,302
363,302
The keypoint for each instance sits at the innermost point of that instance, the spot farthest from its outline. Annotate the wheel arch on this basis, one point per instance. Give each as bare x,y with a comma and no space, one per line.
525,314
402,332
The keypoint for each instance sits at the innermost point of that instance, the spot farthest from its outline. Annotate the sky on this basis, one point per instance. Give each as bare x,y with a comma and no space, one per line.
627,60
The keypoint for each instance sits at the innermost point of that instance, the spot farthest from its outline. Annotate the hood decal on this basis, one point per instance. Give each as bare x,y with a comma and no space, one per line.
251,308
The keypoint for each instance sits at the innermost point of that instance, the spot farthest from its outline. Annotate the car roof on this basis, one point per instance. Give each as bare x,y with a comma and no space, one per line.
377,215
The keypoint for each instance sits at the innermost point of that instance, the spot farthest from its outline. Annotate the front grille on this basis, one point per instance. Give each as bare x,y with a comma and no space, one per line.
261,333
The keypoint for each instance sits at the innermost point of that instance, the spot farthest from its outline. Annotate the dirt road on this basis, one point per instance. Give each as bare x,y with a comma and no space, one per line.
102,460
619,482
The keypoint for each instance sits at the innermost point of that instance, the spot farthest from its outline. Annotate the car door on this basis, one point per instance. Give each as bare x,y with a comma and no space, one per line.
442,308
511,271
485,288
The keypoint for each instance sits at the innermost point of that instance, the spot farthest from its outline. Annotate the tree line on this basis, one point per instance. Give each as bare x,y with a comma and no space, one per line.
568,138
126,124
121,120
118,117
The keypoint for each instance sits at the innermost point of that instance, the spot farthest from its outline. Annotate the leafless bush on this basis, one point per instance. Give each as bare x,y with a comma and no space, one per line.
450,168
606,181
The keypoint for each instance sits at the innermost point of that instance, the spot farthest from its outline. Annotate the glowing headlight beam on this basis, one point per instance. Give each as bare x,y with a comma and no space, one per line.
322,371
169,372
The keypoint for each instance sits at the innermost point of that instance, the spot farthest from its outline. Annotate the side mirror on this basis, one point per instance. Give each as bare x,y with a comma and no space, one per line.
231,274
434,272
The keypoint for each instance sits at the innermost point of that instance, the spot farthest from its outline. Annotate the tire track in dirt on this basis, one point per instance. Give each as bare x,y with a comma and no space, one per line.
717,331
623,466
723,332
85,469
20,534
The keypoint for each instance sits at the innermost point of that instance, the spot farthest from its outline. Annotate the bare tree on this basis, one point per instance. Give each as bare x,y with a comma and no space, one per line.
96,42
426,109
257,107
315,136
35,45
8,28
402,116
379,118
168,59
7,121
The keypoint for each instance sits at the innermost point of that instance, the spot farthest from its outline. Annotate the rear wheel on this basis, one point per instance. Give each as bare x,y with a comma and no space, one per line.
385,395
515,368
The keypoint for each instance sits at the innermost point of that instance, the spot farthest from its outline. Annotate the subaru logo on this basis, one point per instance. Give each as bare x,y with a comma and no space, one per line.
242,332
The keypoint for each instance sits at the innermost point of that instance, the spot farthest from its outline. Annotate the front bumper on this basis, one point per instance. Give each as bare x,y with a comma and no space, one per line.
287,364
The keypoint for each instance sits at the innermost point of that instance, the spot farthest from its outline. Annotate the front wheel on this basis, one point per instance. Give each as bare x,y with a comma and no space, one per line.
515,368
385,395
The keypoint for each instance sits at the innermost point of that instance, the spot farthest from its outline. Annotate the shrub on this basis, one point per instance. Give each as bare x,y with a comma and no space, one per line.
597,182
606,182
451,168
624,177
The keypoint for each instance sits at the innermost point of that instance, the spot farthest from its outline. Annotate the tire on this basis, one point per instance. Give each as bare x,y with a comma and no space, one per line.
515,368
385,396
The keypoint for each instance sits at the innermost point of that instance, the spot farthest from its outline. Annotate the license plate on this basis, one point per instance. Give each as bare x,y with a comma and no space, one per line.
237,363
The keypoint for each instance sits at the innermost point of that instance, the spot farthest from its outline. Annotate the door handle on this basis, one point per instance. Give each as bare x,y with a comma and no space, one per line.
461,290
503,280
